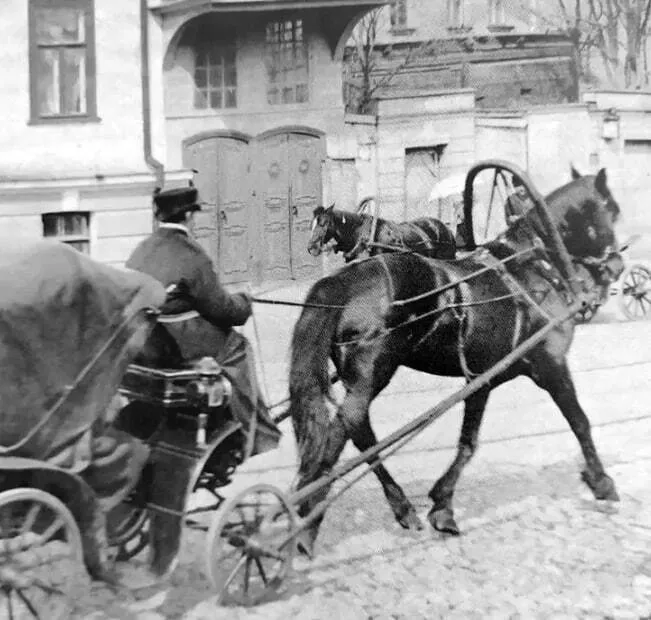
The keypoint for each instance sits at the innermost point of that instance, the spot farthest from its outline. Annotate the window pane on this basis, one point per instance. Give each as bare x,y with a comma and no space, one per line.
200,99
215,76
301,93
288,94
216,99
47,81
73,81
200,77
230,79
231,98
59,25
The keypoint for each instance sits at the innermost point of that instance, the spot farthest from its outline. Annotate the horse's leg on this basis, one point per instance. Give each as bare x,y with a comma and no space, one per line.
355,412
441,515
336,441
555,378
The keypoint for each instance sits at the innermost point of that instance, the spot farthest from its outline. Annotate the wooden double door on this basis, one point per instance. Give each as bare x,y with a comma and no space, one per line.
260,194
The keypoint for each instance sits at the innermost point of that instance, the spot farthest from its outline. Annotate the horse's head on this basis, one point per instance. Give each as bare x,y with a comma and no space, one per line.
585,212
322,229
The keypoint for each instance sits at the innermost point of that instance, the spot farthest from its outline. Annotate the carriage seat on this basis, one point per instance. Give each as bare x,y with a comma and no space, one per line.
202,381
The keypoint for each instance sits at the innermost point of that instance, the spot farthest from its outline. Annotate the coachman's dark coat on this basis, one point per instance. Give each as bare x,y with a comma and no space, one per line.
171,256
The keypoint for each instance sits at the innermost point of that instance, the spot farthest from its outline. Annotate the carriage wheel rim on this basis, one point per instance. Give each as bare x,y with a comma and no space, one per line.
246,562
33,526
635,292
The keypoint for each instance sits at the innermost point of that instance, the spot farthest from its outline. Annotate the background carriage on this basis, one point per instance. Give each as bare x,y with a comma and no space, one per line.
492,190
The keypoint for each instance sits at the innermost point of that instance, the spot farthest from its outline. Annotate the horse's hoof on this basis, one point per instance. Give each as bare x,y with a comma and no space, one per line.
442,520
410,520
602,488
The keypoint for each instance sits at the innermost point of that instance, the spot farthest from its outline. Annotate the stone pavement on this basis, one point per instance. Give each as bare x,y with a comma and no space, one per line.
534,543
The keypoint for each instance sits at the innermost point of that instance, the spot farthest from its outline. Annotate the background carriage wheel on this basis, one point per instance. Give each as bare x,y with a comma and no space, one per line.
41,556
635,292
249,556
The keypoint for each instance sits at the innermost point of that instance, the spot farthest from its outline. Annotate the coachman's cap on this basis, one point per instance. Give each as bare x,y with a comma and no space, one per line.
171,202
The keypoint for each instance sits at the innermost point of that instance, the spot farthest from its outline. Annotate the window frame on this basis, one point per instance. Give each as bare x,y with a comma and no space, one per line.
88,8
496,13
398,14
281,69
70,239
455,14
223,50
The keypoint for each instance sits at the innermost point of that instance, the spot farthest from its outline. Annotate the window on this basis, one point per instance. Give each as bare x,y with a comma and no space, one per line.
71,228
455,13
62,59
215,75
496,12
287,66
399,14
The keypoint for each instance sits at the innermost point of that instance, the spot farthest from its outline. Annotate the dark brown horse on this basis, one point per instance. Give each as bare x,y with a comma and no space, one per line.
375,315
355,233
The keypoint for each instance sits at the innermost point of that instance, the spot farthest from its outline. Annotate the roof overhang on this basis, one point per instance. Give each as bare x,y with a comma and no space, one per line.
167,7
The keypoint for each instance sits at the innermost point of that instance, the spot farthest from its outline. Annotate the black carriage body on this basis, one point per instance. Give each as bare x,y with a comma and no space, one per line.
193,446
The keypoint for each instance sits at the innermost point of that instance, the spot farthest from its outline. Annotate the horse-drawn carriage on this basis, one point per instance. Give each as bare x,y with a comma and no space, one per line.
79,486
87,478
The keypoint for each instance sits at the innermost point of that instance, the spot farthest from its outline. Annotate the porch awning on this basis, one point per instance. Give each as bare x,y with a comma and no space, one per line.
162,7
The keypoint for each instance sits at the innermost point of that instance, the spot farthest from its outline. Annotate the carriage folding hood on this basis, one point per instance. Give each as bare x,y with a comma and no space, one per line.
69,327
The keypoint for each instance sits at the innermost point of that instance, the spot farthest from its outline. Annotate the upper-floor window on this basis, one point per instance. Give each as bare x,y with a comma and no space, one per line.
72,228
398,14
455,13
62,59
496,12
215,75
287,62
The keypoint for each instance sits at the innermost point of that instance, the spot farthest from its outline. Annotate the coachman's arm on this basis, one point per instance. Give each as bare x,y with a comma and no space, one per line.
215,303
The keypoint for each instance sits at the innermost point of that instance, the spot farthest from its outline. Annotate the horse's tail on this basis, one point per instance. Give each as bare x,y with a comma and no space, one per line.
309,381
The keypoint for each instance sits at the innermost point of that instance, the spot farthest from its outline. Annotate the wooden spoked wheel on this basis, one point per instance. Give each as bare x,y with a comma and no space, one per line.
250,547
635,292
128,532
41,556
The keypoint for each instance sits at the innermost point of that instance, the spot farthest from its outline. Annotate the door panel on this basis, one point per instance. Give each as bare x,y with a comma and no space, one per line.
202,156
274,182
223,226
233,205
305,195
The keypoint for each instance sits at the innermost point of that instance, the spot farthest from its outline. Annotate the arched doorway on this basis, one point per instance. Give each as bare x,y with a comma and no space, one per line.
260,196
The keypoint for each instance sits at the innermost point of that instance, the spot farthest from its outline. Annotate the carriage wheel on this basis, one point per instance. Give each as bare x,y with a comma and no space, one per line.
250,548
41,556
635,292
130,536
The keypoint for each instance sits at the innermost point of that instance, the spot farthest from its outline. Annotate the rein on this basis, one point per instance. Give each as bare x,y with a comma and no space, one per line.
403,302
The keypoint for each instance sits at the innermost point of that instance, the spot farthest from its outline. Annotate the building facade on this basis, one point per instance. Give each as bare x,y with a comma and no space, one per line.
105,101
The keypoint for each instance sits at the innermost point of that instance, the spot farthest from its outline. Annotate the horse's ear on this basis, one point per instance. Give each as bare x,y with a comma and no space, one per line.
575,173
331,207
601,184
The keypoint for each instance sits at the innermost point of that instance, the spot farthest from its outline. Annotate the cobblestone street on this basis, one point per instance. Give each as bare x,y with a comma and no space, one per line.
534,542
